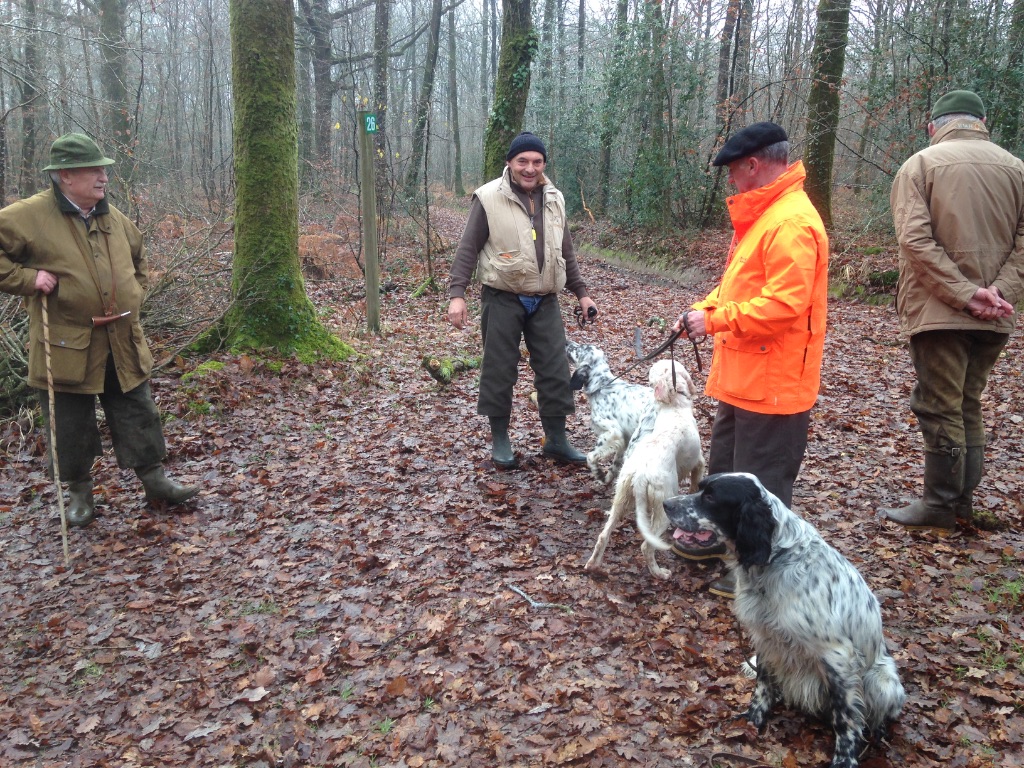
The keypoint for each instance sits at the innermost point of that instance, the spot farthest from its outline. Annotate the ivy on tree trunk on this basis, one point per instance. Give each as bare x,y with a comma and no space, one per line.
512,84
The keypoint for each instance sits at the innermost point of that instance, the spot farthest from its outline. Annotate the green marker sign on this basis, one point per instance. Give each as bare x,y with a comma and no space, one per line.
370,121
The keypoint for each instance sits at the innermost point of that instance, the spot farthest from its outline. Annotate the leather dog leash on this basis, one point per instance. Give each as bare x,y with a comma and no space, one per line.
668,344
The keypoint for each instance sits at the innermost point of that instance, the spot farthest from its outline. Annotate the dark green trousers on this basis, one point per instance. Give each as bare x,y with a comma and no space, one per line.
952,371
132,417
503,323
769,446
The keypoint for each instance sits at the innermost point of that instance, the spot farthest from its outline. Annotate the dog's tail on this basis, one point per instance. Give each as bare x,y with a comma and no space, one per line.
651,519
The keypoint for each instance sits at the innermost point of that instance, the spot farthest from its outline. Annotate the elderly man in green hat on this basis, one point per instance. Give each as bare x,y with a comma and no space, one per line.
958,207
87,258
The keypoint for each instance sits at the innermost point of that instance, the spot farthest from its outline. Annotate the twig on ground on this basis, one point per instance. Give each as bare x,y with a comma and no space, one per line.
534,604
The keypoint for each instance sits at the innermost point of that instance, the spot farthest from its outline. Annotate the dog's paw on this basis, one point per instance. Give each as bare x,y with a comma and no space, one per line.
658,572
757,717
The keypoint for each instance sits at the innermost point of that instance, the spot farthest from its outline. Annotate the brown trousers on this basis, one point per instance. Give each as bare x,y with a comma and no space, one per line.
769,446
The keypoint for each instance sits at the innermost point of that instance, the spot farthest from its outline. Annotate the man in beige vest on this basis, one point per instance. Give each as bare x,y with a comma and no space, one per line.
517,239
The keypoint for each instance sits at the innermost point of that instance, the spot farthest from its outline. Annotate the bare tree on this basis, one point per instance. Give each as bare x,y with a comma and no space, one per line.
827,62
426,95
453,101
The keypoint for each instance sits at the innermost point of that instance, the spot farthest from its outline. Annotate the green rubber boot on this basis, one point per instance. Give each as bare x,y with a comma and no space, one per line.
81,506
161,488
556,443
943,487
501,447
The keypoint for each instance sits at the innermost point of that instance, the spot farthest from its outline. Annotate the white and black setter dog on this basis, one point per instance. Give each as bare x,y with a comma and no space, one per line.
668,452
815,624
616,407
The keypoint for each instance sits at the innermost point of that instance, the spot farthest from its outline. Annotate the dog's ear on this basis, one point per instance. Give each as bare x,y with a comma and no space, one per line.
580,377
754,531
663,391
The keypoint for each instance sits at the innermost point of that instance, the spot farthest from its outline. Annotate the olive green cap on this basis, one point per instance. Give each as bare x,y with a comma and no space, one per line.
76,150
959,102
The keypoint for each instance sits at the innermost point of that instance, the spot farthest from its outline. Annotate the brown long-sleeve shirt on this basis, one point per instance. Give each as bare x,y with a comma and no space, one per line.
478,231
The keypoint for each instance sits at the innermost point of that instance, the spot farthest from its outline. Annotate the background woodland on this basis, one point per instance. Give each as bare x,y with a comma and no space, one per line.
213,108
631,96
356,585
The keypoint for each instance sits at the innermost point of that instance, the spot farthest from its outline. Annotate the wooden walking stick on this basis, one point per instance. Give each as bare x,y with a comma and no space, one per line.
53,433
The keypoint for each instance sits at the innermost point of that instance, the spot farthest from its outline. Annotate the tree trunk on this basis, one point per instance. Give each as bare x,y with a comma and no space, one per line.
511,86
872,101
827,61
1007,120
723,109
381,42
484,81
581,41
650,186
610,115
316,18
419,136
29,177
546,128
270,308
114,81
453,102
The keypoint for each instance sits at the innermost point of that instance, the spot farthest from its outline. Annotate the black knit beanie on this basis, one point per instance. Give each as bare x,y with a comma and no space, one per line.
526,142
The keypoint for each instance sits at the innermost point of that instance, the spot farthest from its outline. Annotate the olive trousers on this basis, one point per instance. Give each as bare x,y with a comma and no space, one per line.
133,419
504,321
952,369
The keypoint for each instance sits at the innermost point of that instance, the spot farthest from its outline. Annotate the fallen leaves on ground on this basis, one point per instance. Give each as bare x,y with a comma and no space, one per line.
358,586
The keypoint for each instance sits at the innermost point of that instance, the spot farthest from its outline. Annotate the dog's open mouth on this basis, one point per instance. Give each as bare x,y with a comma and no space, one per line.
698,538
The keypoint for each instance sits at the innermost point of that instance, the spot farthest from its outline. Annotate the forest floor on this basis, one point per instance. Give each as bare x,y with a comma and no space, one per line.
357,585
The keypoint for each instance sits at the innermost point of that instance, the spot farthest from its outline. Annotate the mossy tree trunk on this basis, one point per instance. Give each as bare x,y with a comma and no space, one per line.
827,60
512,84
270,308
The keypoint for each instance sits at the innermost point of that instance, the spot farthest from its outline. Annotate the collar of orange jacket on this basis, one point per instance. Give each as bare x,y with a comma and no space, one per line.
747,207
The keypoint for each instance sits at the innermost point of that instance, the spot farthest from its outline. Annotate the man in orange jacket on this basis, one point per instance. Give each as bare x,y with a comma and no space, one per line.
767,317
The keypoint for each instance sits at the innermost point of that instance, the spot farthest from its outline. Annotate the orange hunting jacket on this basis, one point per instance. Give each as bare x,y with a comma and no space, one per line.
767,315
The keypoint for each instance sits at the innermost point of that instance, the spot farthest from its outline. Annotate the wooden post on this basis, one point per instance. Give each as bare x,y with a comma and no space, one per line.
368,195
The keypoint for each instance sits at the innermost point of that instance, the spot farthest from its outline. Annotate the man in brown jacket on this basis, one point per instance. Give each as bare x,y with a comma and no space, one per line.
958,206
69,244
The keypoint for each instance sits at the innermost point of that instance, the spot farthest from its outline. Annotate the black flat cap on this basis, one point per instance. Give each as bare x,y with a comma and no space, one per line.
746,142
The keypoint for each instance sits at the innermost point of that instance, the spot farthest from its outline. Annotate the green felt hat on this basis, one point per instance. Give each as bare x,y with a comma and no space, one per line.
959,102
76,150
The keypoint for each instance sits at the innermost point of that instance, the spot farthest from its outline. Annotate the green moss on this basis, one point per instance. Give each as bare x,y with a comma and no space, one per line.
202,369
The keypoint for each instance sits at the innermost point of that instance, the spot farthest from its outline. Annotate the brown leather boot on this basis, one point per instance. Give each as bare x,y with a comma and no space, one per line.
943,487
161,488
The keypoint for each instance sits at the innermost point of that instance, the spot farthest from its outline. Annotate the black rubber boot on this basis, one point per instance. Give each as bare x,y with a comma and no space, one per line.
556,444
943,487
501,447
81,506
161,488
